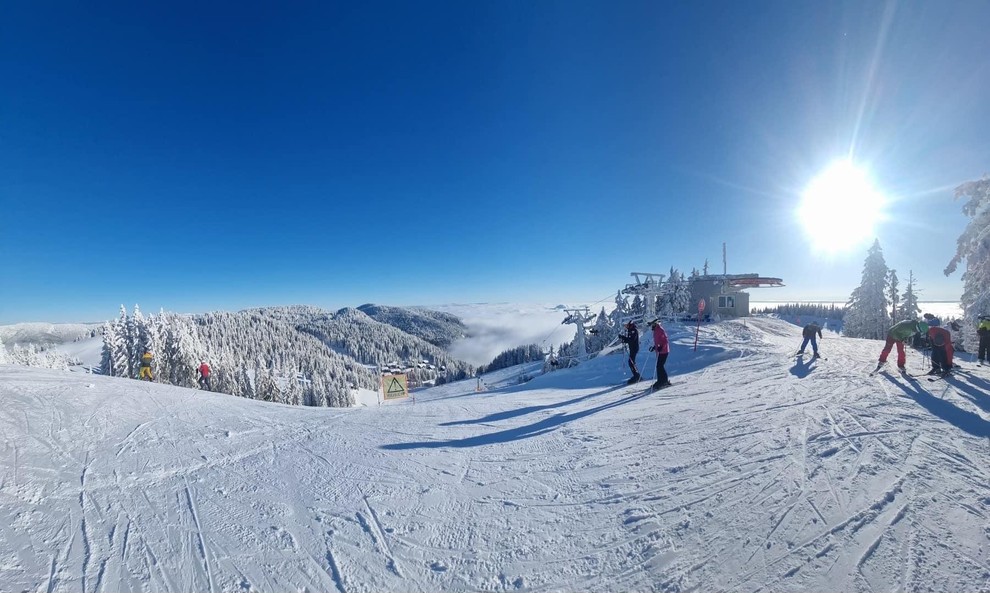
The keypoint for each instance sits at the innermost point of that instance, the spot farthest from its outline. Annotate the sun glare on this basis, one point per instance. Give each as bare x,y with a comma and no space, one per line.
840,208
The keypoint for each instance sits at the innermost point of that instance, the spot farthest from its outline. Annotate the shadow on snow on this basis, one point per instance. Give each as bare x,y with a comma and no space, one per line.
802,369
961,419
522,432
974,389
528,410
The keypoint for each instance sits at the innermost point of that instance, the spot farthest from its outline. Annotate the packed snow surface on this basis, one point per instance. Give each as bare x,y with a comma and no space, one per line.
756,471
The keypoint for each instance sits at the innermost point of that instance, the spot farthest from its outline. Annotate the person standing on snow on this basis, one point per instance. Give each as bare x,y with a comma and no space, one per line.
983,330
631,339
809,333
204,375
941,341
896,335
146,359
661,345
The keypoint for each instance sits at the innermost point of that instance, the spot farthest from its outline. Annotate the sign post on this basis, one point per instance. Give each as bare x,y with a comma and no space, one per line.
701,309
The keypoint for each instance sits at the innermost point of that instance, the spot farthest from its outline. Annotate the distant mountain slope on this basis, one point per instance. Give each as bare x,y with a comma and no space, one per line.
297,355
436,327
354,333
46,334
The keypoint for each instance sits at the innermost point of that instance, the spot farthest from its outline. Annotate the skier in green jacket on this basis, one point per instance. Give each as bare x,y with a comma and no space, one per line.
896,335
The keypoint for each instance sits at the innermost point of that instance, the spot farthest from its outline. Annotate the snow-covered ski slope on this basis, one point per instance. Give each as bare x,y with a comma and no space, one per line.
754,473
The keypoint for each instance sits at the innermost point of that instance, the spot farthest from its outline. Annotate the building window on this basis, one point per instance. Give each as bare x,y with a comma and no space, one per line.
726,302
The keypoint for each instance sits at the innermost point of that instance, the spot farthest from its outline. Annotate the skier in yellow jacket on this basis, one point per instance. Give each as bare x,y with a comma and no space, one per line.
146,359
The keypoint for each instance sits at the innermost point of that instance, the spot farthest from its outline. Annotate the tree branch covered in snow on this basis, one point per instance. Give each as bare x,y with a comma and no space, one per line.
973,246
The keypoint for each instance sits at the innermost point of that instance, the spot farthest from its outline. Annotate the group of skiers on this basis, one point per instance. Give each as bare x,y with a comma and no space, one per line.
661,346
145,374
939,339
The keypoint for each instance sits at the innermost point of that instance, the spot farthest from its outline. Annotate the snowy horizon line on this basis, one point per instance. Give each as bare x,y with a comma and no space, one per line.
753,303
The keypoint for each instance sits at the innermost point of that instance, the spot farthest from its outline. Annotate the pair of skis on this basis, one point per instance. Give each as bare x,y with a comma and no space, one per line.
903,372
652,388
883,367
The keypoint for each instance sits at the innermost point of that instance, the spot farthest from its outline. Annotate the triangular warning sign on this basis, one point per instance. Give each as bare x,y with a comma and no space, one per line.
395,388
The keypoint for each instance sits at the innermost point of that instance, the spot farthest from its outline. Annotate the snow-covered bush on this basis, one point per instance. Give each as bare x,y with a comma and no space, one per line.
32,357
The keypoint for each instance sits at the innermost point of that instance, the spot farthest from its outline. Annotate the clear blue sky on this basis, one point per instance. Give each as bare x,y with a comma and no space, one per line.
201,156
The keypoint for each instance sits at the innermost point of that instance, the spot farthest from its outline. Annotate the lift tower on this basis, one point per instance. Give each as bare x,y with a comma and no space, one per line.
647,286
579,317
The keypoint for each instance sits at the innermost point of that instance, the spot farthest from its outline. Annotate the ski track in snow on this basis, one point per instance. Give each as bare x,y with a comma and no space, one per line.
757,471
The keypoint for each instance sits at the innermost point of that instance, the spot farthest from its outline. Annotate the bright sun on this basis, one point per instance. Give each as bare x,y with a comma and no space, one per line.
840,208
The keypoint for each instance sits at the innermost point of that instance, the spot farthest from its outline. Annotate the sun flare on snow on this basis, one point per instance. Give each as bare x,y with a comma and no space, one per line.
840,208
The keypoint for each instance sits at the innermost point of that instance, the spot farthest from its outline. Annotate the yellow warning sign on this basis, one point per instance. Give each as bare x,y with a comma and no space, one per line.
394,386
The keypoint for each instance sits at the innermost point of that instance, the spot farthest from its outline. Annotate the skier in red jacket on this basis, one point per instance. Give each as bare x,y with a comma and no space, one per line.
204,375
661,345
942,352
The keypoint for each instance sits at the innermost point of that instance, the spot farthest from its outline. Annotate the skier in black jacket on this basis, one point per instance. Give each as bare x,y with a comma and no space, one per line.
983,330
809,333
631,339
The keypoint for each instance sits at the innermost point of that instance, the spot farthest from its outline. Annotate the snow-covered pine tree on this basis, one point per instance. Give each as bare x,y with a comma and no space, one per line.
681,292
244,379
602,333
621,308
973,245
106,356
117,345
180,351
892,295
909,308
665,302
137,338
265,384
638,306
549,360
866,311
675,296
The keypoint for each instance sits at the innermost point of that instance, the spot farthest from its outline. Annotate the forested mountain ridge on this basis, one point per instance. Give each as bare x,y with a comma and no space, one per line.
297,355
436,327
355,334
